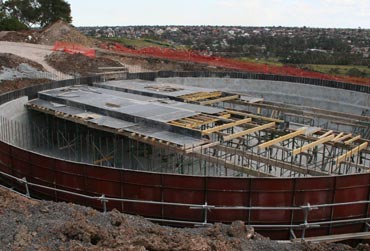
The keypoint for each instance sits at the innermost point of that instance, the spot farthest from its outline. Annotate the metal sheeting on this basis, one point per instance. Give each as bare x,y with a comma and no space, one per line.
109,122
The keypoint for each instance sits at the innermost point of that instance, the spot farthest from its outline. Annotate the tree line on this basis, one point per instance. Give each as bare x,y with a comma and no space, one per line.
24,14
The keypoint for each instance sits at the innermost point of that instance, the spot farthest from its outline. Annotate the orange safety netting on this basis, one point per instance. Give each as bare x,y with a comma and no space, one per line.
197,57
73,48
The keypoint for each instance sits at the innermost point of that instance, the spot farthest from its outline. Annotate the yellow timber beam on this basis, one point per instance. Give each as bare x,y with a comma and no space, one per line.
326,134
351,153
201,95
352,140
336,138
212,101
225,126
282,138
312,145
248,131
254,116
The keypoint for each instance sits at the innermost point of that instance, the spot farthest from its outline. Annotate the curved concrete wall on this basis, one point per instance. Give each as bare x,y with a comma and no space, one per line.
218,191
285,92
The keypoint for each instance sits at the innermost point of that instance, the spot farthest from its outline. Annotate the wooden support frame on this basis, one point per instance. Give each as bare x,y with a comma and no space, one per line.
201,95
226,126
312,145
222,99
337,137
344,137
326,134
350,141
254,116
282,138
249,131
350,153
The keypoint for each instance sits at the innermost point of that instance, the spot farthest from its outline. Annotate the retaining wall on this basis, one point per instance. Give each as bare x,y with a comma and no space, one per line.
217,191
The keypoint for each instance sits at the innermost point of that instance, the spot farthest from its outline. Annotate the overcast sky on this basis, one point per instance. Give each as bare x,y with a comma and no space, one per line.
310,13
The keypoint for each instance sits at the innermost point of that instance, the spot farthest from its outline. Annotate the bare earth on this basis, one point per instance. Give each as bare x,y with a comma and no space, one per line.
33,52
28,224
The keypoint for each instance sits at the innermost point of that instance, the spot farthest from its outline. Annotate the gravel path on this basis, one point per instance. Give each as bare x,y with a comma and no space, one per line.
34,52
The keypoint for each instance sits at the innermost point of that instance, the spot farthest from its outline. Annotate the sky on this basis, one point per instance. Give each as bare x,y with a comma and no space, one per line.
293,13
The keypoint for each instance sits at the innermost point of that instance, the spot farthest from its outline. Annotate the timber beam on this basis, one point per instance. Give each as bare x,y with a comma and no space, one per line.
248,131
312,145
226,126
222,99
282,138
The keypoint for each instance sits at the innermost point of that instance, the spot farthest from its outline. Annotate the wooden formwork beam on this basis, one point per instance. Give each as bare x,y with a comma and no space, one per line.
312,145
212,101
231,166
350,153
201,95
337,137
248,131
326,134
282,138
344,137
254,116
226,126
268,161
352,140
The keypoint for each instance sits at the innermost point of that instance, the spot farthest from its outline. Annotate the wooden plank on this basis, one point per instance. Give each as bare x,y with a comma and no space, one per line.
326,134
254,116
248,131
338,137
212,101
352,140
350,153
312,145
201,95
344,137
282,138
201,147
231,166
225,126
273,162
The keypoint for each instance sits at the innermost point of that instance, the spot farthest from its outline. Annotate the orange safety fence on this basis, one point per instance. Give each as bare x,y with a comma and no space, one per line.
198,57
73,48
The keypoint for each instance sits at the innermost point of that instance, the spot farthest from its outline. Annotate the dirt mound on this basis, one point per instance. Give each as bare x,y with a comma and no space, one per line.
73,64
39,225
29,36
62,31
12,61
10,85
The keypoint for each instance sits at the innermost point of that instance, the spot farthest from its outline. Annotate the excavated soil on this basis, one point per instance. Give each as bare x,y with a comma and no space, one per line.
27,224
82,65
12,61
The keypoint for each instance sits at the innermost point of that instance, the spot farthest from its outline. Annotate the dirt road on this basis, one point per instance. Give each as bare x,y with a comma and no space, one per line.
34,52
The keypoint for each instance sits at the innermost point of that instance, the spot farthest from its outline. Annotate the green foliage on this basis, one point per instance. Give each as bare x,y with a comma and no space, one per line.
11,24
37,12
54,10
354,72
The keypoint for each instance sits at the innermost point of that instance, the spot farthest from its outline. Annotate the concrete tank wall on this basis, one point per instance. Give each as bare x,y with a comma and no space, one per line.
285,92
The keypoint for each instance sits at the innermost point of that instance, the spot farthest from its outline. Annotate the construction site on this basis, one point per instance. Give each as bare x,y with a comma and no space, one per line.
288,155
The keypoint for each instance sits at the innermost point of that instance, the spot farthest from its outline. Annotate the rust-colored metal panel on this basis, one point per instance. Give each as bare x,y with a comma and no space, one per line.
69,174
313,191
177,190
351,188
5,160
142,186
349,228
275,234
228,192
271,192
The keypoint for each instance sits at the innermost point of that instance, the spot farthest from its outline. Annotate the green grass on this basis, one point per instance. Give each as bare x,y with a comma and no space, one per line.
269,61
337,69
138,43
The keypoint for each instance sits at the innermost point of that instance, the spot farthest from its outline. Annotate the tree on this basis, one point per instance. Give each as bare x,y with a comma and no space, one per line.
37,12
53,10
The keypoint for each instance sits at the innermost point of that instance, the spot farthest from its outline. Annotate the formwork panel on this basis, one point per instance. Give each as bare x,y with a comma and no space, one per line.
351,188
228,192
142,186
182,189
271,193
69,175
314,191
